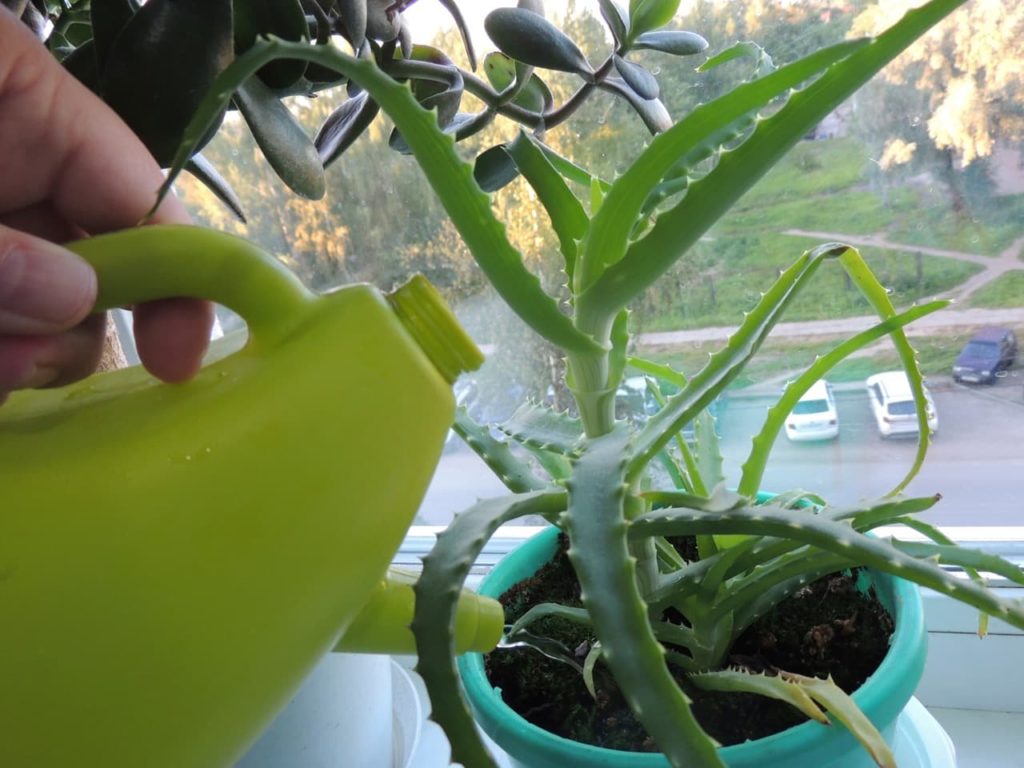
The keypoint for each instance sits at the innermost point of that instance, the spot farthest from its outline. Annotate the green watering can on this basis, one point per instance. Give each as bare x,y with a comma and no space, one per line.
175,558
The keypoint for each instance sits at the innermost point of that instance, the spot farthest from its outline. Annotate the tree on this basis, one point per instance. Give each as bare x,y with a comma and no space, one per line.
967,70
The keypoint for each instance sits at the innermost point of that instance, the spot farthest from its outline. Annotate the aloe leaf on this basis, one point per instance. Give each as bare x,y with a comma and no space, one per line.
674,41
638,78
530,38
437,591
572,172
742,50
516,474
451,177
343,126
724,365
972,560
540,427
282,140
774,687
203,170
661,371
688,477
842,708
737,170
565,211
837,538
610,230
617,355
939,537
878,297
767,558
593,656
599,552
547,610
753,468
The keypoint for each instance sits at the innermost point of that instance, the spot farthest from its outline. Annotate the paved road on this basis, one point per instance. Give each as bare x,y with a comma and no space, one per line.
974,461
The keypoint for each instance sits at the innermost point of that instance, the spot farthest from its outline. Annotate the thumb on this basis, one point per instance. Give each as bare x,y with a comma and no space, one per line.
44,288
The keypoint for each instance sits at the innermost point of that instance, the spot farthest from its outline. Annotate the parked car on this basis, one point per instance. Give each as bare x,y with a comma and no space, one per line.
989,351
892,404
814,417
635,401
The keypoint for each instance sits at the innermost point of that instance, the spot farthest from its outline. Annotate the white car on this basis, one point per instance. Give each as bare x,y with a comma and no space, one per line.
814,417
892,404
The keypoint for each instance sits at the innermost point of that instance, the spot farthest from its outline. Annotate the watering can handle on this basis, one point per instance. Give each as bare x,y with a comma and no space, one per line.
165,261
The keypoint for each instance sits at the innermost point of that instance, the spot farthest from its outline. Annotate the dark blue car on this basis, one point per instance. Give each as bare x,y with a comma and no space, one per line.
990,351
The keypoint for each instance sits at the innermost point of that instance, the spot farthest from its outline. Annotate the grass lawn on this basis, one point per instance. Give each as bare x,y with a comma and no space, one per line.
823,186
1004,291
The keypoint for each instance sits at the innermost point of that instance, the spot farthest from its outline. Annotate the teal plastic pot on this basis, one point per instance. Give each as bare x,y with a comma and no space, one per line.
809,745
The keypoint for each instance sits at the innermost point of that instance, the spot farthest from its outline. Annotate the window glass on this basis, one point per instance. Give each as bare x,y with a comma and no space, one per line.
810,406
923,171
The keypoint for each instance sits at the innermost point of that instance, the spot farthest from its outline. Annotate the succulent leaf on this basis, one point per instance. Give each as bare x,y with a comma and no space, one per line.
530,38
203,170
615,17
674,41
344,125
282,140
494,168
643,83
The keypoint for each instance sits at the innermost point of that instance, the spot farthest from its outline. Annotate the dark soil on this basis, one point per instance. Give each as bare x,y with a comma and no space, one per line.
827,628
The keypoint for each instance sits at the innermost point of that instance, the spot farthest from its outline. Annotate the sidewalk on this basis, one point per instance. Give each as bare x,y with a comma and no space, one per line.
942,320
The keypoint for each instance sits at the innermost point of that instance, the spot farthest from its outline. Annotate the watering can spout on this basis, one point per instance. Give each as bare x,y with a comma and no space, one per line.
383,626
174,559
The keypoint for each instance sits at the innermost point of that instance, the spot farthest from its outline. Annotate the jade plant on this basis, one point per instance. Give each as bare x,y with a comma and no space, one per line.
589,473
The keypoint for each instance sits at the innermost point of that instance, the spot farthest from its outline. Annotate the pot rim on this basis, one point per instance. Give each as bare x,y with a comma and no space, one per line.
882,696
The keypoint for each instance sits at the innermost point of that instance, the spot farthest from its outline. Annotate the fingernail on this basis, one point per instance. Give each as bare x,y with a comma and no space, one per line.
43,288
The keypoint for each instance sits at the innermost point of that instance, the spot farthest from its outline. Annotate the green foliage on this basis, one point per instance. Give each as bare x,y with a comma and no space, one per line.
1004,291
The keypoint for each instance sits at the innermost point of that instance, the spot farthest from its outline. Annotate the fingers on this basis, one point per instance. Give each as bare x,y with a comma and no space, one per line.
172,335
63,144
70,167
49,361
44,289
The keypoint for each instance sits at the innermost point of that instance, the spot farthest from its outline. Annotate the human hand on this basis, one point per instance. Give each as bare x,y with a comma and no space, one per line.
70,168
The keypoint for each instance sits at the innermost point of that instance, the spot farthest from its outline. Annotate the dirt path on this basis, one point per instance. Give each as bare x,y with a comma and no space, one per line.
952,318
993,266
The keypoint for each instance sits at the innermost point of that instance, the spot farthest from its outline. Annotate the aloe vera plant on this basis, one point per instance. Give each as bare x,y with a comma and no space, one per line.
589,474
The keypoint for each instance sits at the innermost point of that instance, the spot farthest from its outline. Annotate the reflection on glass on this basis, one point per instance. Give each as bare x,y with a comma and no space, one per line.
923,171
